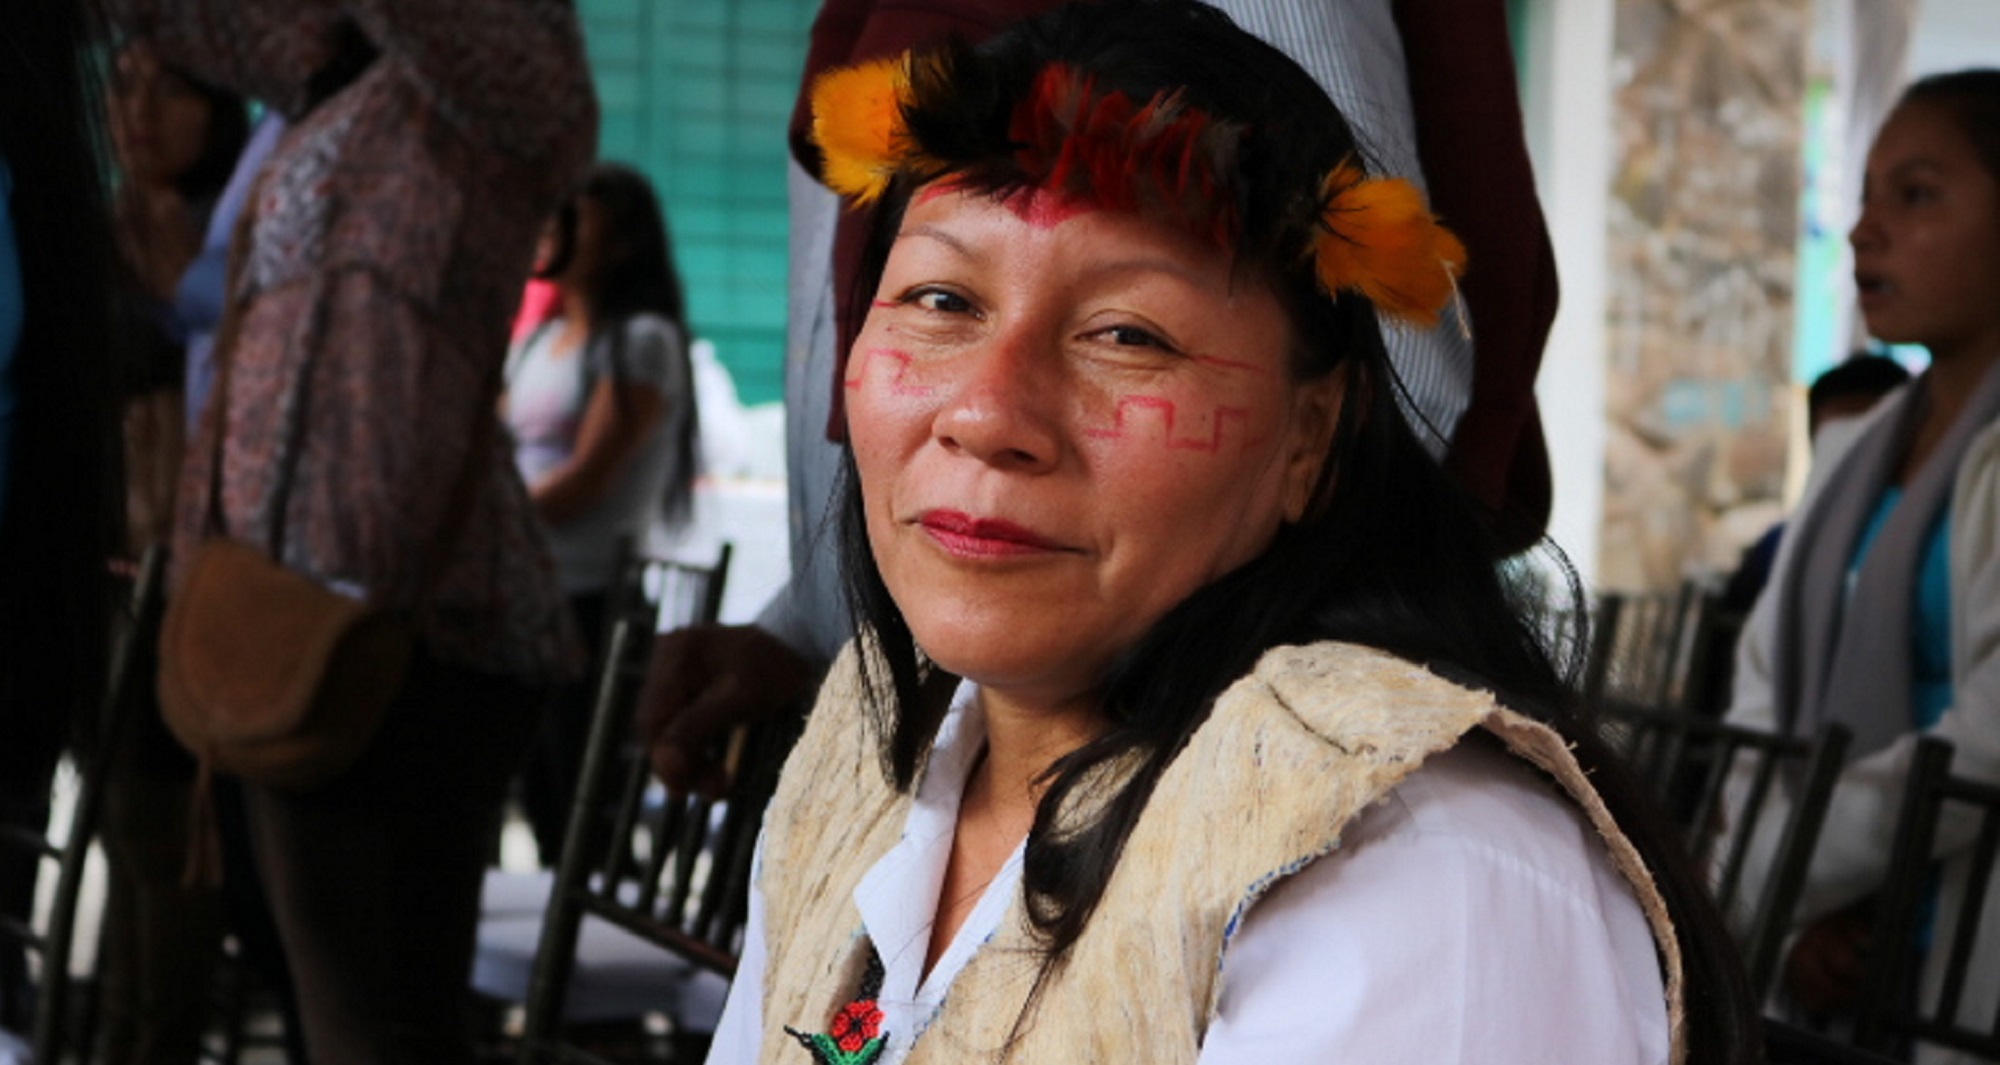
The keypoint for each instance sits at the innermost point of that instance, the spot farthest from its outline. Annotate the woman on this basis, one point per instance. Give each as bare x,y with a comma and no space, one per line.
176,140
600,401
1138,758
1879,614
349,430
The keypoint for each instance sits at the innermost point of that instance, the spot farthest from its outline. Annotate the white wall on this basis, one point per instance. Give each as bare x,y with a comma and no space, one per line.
1953,34
1567,100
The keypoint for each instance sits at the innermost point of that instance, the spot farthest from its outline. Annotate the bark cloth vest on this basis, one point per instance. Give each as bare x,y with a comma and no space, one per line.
1291,754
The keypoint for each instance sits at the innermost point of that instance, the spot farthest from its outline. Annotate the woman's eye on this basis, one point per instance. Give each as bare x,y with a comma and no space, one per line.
1918,193
1131,336
941,300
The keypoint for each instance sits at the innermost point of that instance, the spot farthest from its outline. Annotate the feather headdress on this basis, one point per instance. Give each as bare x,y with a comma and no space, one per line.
1165,158
858,125
1162,158
1376,236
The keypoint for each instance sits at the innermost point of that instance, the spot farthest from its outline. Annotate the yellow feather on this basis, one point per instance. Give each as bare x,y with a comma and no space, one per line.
858,125
1378,237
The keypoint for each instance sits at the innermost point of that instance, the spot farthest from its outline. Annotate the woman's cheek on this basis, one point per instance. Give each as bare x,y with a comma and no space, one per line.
885,371
1142,421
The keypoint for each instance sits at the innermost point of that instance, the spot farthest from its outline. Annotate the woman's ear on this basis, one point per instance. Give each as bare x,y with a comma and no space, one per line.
1315,414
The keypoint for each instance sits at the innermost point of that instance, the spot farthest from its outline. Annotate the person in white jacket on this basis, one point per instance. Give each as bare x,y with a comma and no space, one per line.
1884,613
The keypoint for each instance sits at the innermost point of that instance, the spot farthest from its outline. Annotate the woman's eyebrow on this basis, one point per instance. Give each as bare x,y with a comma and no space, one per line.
1152,264
941,236
1920,165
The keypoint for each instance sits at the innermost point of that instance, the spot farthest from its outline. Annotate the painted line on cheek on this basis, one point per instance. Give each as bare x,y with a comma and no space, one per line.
897,385
1232,364
1169,413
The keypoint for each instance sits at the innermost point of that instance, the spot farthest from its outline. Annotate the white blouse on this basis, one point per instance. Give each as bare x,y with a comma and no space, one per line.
1472,916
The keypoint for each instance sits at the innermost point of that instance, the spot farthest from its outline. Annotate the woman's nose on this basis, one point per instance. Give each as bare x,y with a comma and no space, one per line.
1867,231
1003,408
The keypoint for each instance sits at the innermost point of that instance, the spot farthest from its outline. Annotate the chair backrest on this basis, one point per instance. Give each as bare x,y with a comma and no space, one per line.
1785,1044
1651,648
1941,813
671,870
1707,774
54,944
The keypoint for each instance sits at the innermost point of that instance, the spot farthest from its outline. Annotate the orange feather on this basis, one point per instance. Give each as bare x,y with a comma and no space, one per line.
858,125
1378,237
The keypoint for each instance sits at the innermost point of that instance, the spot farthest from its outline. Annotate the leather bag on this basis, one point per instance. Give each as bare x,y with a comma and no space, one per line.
268,675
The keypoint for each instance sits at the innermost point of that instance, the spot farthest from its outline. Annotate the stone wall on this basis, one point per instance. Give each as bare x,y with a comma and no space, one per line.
1703,224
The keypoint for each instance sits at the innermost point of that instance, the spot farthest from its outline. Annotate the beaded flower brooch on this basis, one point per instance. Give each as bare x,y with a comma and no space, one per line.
855,1037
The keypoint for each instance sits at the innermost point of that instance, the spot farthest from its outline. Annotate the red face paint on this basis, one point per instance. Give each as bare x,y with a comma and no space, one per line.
937,188
859,367
1231,364
1169,412
1044,208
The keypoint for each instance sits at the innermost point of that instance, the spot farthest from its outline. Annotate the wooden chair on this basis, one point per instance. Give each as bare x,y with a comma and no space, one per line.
1785,1044
53,945
1688,761
1643,645
1898,1008
643,913
1652,648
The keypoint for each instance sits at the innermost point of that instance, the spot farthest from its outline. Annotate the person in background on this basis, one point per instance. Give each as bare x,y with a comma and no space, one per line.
393,229
1881,612
59,507
199,298
600,402
1850,390
176,140
1836,397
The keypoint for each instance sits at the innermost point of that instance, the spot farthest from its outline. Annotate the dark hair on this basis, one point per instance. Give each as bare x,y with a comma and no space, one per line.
1972,97
61,514
1862,374
638,276
228,132
1393,554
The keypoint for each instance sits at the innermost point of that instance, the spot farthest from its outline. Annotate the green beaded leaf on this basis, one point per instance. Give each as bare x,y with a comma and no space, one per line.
825,1051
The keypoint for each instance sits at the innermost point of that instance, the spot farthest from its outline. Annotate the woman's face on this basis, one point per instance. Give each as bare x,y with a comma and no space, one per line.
589,248
159,122
1066,421
1927,246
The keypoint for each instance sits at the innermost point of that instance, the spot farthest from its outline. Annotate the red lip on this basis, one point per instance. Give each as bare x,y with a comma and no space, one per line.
969,537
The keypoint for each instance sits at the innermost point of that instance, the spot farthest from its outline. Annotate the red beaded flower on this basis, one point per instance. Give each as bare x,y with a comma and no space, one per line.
854,1038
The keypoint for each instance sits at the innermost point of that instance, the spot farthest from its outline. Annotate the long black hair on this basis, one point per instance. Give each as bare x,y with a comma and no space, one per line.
228,132
227,128
638,276
1392,554
61,513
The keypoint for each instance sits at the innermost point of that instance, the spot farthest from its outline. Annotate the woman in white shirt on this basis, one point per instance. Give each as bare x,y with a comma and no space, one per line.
1883,611
1190,720
600,403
